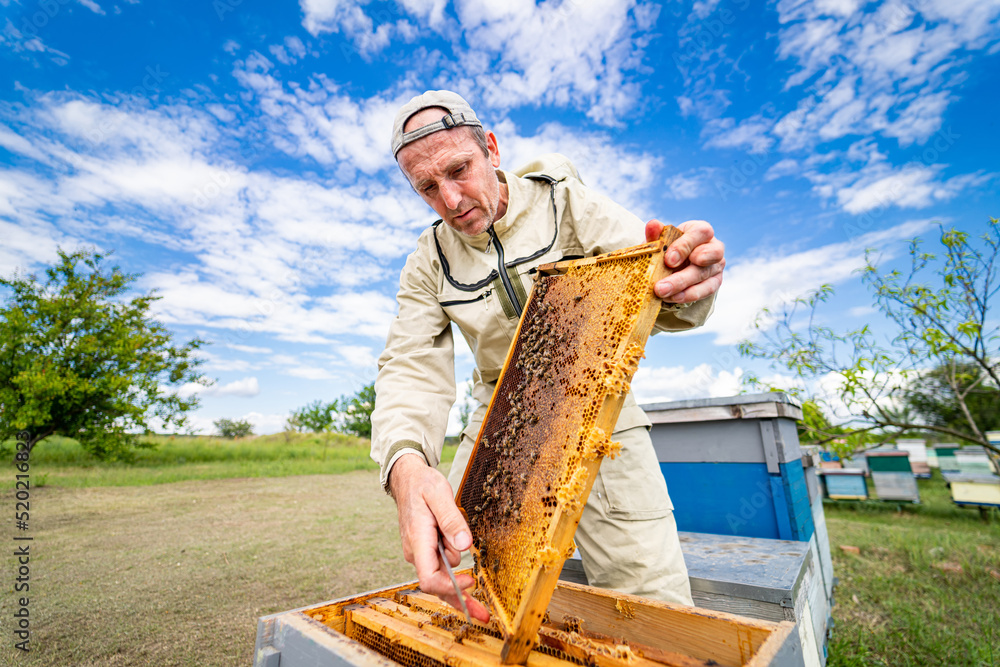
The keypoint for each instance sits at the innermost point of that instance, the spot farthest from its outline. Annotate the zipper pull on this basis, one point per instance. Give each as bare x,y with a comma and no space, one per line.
489,245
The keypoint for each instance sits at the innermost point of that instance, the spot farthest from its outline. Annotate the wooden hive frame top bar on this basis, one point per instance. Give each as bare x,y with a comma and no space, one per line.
547,428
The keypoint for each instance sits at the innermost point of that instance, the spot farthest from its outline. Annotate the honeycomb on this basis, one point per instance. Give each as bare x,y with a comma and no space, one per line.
547,428
418,630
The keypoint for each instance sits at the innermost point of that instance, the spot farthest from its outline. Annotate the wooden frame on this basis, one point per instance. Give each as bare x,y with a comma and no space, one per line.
554,492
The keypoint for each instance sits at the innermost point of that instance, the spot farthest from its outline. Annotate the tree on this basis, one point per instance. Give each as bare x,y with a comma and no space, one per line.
943,356
317,417
233,428
347,414
933,400
356,412
78,360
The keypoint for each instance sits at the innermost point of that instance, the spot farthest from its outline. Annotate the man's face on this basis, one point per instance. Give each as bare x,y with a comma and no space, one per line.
449,171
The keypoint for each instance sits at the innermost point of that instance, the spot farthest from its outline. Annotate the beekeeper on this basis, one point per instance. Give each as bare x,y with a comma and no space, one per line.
472,267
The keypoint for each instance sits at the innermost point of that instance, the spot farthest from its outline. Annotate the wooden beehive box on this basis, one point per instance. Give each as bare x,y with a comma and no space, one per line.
549,423
400,625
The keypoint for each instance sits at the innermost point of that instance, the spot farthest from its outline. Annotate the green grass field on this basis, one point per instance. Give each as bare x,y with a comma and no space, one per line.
62,462
171,560
900,602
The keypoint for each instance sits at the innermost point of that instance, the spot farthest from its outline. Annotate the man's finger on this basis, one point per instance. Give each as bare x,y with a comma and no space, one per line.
712,252
477,610
692,283
695,233
455,530
425,554
653,230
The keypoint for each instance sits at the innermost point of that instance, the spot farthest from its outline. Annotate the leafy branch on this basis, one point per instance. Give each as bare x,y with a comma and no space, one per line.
939,371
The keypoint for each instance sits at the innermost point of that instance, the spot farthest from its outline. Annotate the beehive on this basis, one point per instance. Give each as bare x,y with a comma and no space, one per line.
547,428
399,625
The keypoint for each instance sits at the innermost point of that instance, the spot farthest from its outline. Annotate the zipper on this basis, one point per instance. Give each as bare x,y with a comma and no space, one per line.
462,302
502,270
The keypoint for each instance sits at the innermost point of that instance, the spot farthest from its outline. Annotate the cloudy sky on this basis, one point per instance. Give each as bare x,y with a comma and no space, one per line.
235,153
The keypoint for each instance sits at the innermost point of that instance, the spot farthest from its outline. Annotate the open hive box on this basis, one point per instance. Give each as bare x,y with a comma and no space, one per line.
547,428
583,626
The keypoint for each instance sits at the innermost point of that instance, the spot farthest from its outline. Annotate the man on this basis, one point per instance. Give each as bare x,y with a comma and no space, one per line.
473,270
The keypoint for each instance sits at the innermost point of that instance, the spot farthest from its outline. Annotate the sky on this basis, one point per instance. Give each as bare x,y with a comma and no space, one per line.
235,154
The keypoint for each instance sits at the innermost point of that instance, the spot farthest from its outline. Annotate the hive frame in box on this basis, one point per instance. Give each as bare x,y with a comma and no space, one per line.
548,424
584,624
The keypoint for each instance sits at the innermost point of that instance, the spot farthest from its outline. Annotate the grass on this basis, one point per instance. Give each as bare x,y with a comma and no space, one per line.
896,602
129,570
166,459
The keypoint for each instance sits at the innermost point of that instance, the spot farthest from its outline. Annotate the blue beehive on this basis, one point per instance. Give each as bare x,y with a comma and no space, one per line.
847,484
733,465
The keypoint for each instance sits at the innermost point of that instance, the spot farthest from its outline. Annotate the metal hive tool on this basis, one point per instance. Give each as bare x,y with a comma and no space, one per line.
547,428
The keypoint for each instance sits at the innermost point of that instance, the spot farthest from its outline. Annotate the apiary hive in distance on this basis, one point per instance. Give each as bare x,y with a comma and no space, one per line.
548,427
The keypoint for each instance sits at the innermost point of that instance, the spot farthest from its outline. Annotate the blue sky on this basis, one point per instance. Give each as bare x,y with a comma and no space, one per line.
235,153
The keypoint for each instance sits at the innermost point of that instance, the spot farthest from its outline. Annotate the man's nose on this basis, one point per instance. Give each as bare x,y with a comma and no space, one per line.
451,194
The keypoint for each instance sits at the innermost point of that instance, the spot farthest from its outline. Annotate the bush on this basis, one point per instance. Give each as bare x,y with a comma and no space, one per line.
234,428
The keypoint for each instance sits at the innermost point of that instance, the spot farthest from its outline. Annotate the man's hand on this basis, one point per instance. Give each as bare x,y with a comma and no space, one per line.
426,510
697,259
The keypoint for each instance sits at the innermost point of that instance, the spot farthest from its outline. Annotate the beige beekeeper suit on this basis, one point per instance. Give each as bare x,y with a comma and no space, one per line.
627,536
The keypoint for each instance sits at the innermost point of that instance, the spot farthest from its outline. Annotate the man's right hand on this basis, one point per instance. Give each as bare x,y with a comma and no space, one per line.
426,510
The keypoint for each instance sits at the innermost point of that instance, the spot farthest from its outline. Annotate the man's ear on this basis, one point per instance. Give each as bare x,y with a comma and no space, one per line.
494,149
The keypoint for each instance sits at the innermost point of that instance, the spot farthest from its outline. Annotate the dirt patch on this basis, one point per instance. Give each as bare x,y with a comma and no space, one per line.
177,574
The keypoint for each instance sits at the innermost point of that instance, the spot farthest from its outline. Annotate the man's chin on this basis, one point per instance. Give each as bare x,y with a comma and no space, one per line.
473,227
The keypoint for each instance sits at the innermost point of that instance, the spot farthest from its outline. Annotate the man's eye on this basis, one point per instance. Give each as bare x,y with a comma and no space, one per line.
459,170
427,190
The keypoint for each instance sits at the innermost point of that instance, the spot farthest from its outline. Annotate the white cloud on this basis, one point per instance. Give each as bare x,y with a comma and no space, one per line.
26,43
883,67
350,19
248,387
289,52
250,349
567,54
884,72
506,55
773,279
879,185
320,122
591,152
750,134
360,356
264,424
691,184
92,6
260,244
653,384
310,373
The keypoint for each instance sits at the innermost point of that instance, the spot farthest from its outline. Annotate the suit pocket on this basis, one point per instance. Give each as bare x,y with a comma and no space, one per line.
631,484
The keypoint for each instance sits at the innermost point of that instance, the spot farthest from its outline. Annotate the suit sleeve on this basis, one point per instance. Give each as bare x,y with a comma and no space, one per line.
601,225
415,387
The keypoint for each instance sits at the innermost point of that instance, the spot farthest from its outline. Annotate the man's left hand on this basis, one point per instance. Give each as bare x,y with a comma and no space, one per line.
697,259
